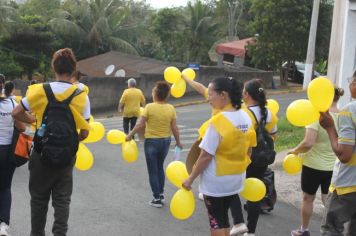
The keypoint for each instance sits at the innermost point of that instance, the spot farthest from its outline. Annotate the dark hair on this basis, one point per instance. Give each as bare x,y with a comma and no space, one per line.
338,92
232,87
162,90
9,87
354,75
33,82
64,62
256,91
2,82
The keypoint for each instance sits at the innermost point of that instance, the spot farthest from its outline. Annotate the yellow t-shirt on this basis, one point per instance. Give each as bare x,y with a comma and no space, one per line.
132,98
159,118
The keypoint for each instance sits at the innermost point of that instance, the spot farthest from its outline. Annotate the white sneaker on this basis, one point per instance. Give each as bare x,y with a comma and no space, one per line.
4,228
238,230
247,234
201,196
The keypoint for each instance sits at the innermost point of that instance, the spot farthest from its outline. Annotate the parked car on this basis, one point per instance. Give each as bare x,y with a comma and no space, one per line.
296,71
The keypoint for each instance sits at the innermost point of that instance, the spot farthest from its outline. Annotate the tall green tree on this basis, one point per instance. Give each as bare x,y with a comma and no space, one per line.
93,24
201,29
30,41
8,16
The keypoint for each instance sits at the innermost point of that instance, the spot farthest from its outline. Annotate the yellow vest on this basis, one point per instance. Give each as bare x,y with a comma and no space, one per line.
232,153
37,100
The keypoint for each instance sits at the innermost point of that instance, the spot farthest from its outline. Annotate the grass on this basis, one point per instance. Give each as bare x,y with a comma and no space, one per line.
288,136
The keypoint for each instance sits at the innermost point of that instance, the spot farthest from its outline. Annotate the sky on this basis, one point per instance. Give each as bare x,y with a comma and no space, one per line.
167,3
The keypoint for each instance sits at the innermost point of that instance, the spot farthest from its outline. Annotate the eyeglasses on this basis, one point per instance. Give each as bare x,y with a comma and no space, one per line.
351,80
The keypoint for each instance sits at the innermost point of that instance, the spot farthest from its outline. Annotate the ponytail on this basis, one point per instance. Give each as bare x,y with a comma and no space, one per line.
256,91
338,92
232,87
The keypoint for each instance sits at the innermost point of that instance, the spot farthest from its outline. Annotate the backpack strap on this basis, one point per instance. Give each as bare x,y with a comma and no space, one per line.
254,116
49,93
75,93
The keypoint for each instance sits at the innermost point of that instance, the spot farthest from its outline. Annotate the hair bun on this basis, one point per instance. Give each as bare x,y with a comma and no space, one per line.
339,92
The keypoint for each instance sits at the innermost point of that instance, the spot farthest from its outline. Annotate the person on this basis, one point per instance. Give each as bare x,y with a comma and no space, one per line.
224,156
341,201
130,103
200,88
2,84
46,181
318,163
254,97
7,168
160,121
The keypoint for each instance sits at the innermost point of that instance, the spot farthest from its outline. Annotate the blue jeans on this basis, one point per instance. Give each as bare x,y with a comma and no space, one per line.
7,170
156,150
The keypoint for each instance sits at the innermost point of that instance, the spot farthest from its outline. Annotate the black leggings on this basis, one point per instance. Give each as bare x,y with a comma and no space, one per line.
254,208
7,170
129,124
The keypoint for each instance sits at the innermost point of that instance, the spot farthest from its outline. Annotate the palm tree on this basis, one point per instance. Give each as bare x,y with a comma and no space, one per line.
8,15
95,23
201,27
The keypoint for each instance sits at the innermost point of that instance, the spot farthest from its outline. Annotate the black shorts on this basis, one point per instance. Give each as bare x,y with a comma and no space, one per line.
218,210
312,179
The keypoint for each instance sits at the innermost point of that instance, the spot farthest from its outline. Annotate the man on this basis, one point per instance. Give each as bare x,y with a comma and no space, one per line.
341,201
130,103
51,169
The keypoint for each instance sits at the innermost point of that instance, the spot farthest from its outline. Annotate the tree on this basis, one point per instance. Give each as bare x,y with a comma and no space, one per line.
283,28
8,15
201,28
9,66
93,24
29,42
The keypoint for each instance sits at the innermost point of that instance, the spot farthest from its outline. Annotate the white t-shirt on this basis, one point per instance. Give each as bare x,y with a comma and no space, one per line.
6,121
61,87
220,186
257,111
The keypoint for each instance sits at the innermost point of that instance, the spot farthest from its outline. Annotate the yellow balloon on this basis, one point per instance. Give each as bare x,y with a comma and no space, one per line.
176,173
129,151
172,74
116,136
96,132
254,190
85,158
91,119
321,93
301,113
189,72
182,204
178,88
273,106
141,111
292,164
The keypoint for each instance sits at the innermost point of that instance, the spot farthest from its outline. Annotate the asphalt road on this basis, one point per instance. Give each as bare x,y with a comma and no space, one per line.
112,198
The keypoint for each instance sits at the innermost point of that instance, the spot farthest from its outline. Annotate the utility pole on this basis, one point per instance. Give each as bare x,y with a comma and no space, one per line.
309,65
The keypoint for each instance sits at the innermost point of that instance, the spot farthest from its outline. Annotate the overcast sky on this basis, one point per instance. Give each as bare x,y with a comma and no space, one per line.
167,3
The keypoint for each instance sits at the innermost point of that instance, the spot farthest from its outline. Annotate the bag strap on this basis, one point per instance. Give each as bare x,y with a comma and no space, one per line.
254,116
51,98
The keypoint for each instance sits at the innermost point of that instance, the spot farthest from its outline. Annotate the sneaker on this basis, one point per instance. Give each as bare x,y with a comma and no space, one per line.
201,196
299,232
238,229
161,197
4,229
154,202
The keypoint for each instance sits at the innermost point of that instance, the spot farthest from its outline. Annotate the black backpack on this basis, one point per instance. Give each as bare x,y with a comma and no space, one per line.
59,143
263,154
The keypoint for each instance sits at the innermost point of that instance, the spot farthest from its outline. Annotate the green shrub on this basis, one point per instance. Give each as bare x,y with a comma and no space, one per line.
288,136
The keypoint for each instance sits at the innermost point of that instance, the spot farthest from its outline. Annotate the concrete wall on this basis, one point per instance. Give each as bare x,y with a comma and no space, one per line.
105,92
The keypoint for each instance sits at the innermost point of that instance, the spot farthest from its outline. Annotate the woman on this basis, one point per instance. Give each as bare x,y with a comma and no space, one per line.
7,168
224,156
254,97
159,119
318,163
